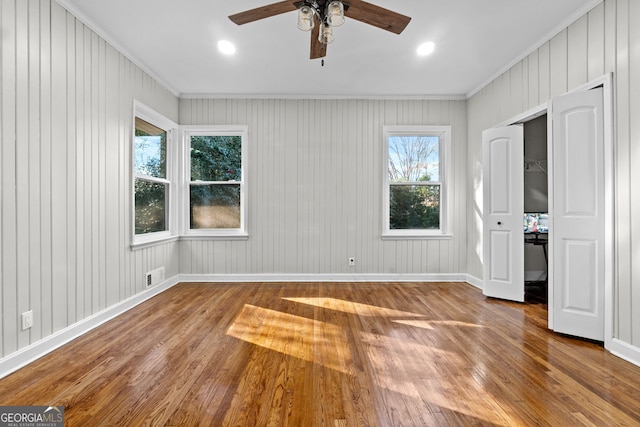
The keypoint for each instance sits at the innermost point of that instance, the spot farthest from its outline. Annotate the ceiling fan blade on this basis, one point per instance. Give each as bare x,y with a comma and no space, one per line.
318,50
377,16
264,12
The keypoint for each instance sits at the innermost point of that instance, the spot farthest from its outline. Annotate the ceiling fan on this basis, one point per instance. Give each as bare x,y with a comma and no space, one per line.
320,16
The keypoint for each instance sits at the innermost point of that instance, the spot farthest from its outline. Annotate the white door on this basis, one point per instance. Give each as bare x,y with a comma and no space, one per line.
578,234
503,248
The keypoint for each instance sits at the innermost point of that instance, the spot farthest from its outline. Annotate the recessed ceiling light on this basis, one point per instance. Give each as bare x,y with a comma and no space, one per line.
226,47
426,48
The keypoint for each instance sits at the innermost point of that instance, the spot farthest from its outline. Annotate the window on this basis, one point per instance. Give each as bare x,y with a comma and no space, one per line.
415,190
215,197
152,176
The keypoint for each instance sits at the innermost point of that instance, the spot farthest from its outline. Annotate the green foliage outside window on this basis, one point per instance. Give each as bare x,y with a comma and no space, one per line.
150,196
216,171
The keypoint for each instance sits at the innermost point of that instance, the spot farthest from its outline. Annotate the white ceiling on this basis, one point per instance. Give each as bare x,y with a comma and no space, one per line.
475,39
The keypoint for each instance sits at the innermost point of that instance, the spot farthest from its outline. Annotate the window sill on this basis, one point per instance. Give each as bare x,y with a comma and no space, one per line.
416,236
216,236
153,242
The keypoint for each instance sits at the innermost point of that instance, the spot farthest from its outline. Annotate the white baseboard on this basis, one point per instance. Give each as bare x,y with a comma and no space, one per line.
475,281
26,355
626,351
322,278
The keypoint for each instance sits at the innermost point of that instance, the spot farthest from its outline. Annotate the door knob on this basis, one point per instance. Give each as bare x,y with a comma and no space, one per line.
499,223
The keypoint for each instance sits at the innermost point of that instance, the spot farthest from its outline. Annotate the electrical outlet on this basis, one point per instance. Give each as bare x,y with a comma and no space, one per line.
352,261
27,320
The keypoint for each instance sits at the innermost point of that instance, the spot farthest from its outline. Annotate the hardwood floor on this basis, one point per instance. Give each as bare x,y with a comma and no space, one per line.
330,354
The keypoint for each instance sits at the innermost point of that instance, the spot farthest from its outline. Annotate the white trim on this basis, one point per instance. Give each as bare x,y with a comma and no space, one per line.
609,214
153,242
28,354
624,350
413,236
451,97
72,9
475,281
557,30
305,278
528,115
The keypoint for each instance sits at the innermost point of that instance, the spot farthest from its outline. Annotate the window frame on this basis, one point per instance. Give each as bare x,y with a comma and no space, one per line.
444,134
151,116
240,233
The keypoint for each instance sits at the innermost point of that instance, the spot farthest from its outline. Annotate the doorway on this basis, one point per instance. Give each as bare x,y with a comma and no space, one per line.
536,210
580,194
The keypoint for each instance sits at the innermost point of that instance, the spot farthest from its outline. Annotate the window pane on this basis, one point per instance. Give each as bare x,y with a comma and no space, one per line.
414,158
414,207
216,158
150,150
150,206
215,206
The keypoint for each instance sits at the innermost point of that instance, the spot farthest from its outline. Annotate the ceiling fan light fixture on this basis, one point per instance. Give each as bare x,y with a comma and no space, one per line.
335,13
305,18
326,34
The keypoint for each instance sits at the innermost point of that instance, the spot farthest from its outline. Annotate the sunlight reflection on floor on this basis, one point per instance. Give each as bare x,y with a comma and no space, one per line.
353,307
400,365
293,335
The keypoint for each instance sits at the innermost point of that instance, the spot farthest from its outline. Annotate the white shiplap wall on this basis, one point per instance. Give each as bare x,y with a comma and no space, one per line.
605,40
65,120
315,175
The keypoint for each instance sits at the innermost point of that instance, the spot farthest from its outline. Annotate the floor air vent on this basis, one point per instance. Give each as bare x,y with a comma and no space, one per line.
154,277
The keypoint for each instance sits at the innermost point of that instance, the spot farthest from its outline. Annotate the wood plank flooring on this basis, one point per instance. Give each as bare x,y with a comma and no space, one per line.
330,354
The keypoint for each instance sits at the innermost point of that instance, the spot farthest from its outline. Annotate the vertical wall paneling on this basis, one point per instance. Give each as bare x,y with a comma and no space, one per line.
33,191
21,157
634,139
544,72
577,49
315,188
71,171
65,123
3,105
46,138
516,89
558,64
634,112
533,80
628,269
77,161
595,42
111,193
59,194
99,122
8,180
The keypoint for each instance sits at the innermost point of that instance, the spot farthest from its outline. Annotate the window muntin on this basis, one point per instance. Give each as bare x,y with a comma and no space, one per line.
216,181
415,184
